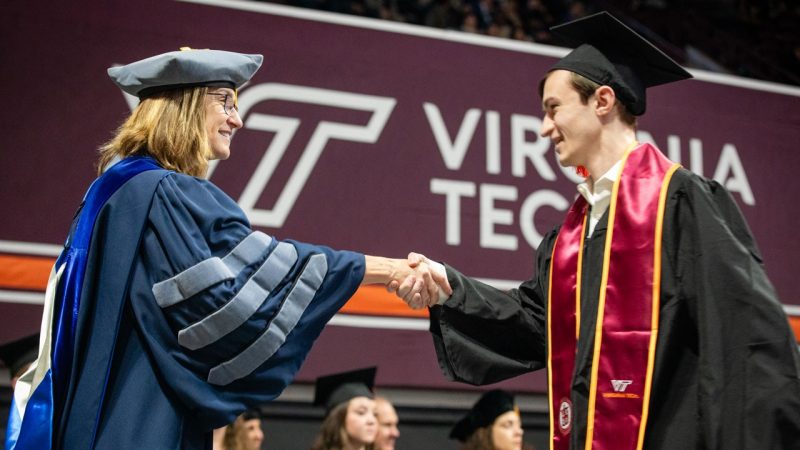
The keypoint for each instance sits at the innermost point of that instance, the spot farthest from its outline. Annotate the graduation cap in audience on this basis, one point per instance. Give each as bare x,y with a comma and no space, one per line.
489,407
335,389
609,53
18,354
184,69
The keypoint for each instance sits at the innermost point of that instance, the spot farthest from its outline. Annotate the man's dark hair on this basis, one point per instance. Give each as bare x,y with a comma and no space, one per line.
586,88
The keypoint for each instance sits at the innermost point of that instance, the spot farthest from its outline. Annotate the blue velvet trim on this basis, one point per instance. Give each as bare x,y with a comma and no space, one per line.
45,405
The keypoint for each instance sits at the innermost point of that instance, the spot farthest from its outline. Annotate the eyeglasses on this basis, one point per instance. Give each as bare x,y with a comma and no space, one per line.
228,102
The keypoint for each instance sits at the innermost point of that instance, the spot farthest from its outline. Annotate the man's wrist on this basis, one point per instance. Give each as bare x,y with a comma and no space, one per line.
440,269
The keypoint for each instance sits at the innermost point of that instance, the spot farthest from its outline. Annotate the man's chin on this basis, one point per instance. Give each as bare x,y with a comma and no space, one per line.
565,162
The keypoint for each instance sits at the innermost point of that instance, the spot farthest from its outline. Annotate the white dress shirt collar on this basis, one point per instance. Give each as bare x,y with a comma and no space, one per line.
600,197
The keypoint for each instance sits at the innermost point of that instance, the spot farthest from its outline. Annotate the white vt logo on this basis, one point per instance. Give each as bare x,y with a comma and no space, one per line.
284,129
620,385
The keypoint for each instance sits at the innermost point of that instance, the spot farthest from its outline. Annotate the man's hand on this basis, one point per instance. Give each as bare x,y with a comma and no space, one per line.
420,289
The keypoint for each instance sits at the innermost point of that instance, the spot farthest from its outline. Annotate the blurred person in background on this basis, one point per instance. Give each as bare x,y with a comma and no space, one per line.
350,422
388,431
493,423
245,432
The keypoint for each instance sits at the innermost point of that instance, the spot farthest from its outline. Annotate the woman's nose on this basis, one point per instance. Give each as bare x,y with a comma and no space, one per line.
234,119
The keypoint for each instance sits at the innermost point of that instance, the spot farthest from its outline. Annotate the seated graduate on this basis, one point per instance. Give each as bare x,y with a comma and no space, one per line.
493,423
166,311
350,422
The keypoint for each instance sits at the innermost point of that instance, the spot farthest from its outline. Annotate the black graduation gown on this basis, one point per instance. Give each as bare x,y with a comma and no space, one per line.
727,369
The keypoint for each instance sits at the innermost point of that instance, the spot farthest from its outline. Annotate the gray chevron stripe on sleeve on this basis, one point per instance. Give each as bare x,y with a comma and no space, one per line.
211,271
284,322
244,304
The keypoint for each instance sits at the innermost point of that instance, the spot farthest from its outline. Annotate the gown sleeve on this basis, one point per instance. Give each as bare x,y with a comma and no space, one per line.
228,314
749,374
483,335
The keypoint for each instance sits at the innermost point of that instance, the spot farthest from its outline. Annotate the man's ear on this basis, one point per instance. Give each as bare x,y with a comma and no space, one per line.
606,99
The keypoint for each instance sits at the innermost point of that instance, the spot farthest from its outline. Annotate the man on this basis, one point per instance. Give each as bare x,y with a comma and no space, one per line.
388,433
650,306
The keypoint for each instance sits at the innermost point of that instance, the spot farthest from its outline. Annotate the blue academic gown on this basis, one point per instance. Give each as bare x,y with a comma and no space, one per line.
187,317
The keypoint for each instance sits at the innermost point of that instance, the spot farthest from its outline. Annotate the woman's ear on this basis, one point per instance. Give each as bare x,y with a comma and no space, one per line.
606,99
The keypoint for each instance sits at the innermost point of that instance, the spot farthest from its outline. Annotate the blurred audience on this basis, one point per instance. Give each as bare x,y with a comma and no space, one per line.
751,38
526,20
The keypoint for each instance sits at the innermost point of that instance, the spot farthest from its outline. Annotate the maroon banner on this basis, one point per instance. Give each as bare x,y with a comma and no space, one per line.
359,134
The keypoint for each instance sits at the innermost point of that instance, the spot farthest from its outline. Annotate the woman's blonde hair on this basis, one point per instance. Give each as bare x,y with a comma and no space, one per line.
169,127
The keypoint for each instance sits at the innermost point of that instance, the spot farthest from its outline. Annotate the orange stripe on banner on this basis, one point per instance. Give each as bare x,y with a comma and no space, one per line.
794,321
32,273
25,272
376,301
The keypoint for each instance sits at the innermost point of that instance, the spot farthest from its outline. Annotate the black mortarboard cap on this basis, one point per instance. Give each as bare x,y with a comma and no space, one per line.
332,390
489,407
17,354
183,69
610,53
251,414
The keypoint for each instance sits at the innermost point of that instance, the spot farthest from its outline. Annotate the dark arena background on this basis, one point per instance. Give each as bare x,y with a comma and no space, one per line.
386,126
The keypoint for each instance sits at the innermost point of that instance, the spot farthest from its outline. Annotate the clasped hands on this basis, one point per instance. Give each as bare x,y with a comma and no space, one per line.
414,280
418,282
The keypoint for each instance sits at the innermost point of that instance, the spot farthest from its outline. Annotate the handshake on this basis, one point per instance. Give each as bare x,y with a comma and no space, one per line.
417,280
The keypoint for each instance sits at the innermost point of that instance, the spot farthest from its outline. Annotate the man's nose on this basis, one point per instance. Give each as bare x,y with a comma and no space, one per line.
547,126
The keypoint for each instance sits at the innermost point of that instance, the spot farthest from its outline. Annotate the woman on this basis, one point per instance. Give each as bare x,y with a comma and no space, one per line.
166,312
245,432
493,423
350,422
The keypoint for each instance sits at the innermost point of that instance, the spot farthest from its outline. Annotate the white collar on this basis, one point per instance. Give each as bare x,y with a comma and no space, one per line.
602,185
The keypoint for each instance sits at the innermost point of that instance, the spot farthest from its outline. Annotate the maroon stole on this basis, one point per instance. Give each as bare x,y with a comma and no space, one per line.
627,317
